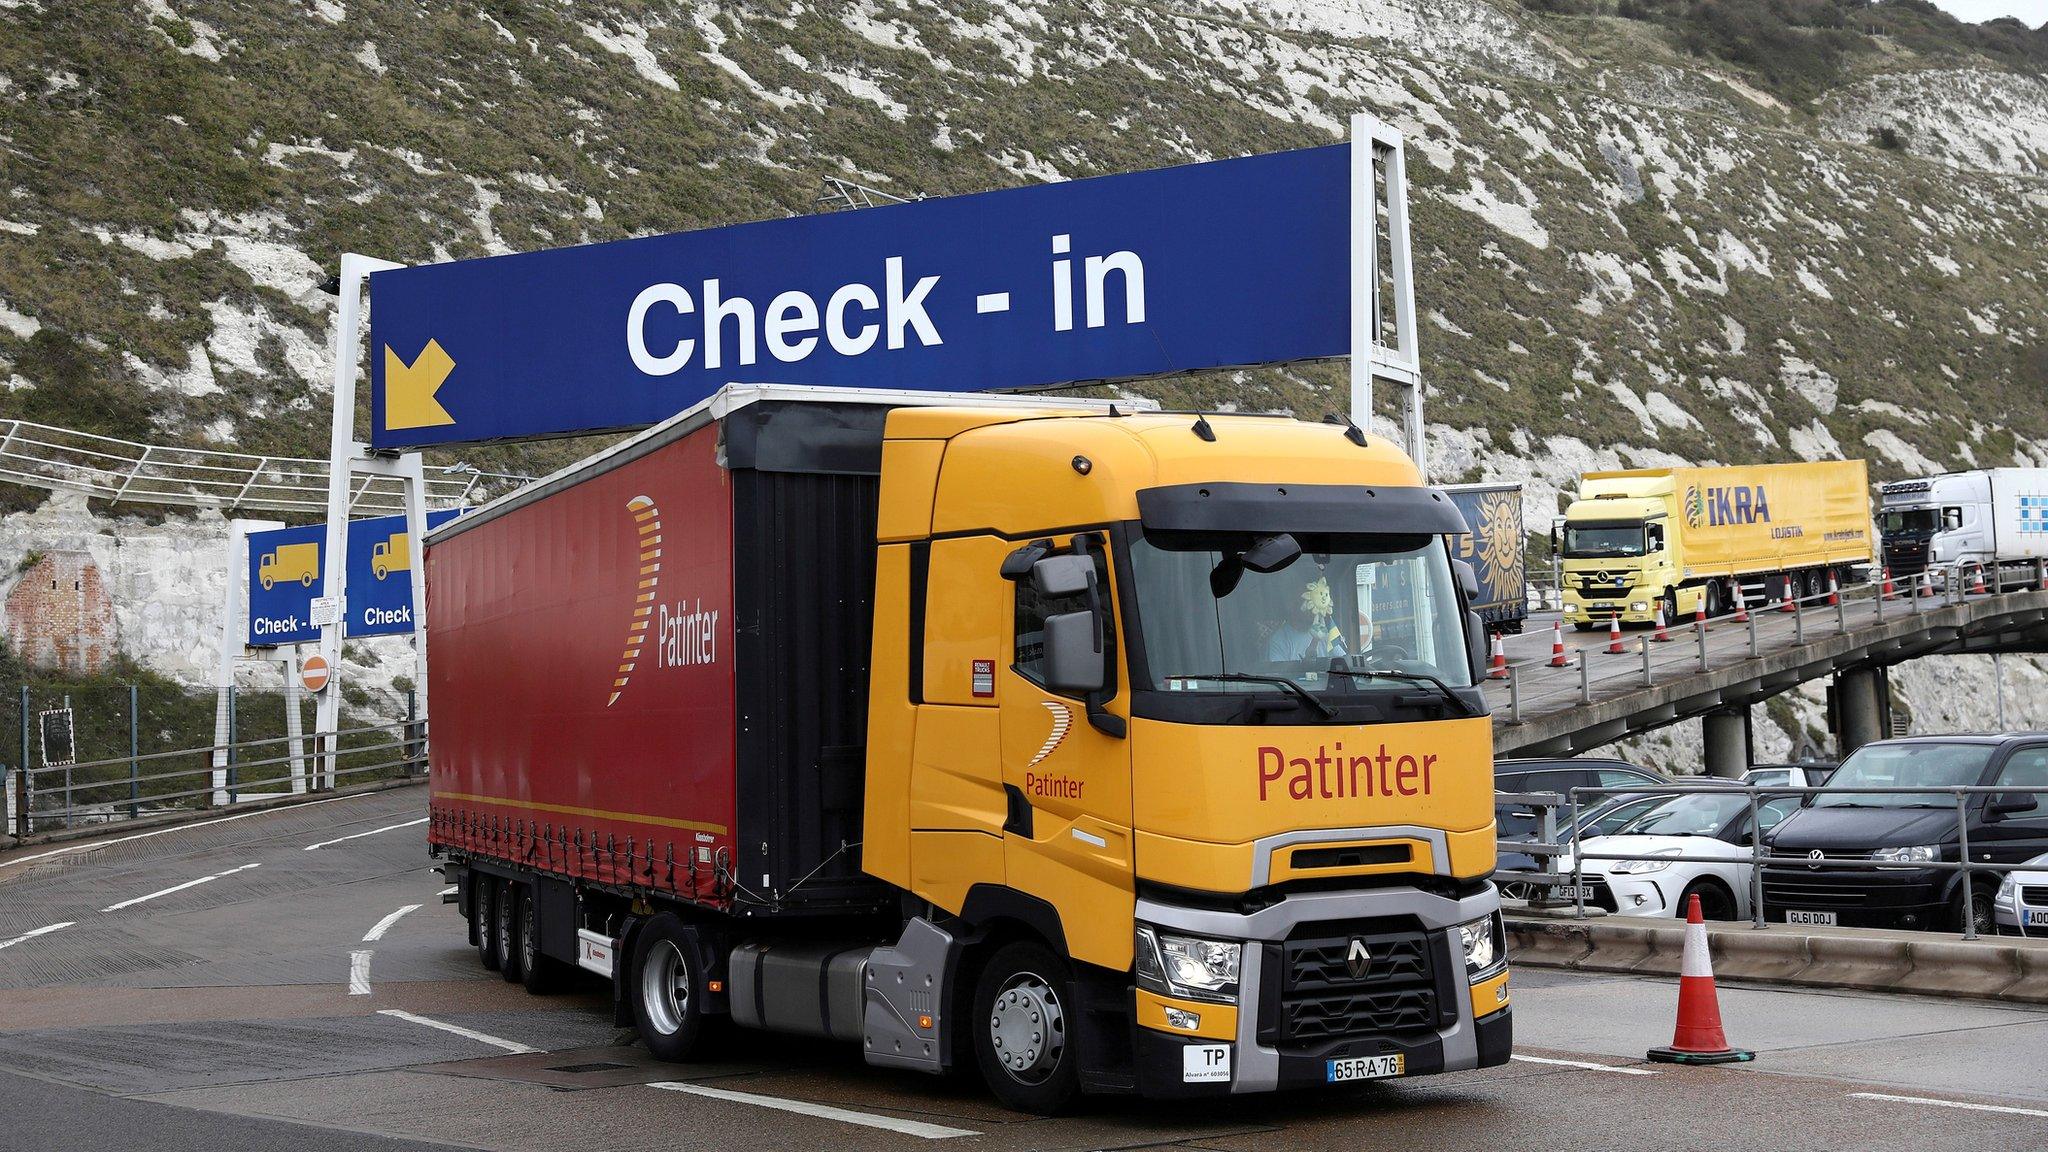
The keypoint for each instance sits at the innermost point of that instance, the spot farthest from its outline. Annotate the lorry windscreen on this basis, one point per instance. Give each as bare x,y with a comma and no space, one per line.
1899,521
1922,764
1356,602
1591,540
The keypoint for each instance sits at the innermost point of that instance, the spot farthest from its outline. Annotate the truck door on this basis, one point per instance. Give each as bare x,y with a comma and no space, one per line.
1067,836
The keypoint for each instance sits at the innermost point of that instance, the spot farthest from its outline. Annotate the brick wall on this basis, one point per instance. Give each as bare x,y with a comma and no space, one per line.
59,615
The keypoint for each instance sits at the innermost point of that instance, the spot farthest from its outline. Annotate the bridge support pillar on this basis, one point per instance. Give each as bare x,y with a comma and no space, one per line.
1861,699
1726,736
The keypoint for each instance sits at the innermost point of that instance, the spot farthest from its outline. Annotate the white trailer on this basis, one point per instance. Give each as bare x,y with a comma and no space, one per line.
1983,519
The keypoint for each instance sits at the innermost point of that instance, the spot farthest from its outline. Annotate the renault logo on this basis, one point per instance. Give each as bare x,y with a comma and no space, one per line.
1359,960
1813,859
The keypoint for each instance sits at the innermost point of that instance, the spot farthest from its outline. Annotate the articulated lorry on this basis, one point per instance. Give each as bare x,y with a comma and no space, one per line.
1984,520
1099,750
1493,547
1678,539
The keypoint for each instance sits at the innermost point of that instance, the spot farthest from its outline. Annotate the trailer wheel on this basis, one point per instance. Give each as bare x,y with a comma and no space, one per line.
508,931
485,904
540,972
1025,1015
664,983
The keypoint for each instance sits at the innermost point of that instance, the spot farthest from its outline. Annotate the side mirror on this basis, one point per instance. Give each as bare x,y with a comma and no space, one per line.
1476,644
1064,575
1468,579
2013,803
1074,658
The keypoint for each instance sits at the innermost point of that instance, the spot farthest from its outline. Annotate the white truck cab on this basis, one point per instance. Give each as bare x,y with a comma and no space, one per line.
1973,520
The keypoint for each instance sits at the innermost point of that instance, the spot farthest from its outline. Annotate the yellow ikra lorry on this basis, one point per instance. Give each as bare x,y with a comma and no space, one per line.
1639,540
1099,750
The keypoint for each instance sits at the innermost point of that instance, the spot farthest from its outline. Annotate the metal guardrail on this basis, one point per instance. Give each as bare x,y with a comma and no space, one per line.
114,789
1548,849
1825,613
102,467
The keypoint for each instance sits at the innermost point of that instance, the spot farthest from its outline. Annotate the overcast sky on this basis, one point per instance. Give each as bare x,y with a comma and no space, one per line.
2031,12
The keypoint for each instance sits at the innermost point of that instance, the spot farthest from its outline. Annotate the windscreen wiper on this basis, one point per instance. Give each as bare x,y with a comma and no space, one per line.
1338,667
1281,682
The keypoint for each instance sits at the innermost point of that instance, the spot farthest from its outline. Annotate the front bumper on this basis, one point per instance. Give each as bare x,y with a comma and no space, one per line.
2025,917
1578,609
1473,1027
1886,898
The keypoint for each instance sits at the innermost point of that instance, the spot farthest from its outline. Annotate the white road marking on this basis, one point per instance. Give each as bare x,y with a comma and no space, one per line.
825,1111
359,972
511,1046
44,930
371,832
178,888
92,845
384,925
1586,1064
1949,1104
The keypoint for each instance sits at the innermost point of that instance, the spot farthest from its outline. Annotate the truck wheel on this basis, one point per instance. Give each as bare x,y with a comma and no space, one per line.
486,904
1023,1024
666,1008
539,972
508,931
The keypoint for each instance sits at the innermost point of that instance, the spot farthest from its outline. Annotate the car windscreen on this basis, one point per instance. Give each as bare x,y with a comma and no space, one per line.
1922,764
1696,815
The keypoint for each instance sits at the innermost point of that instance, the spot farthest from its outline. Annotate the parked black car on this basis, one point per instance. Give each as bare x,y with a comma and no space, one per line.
1908,828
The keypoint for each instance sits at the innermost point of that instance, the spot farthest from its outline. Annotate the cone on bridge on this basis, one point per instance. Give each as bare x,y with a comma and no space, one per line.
1741,603
1697,1038
1977,587
1699,611
1660,636
1557,657
1889,590
1497,666
1834,591
1790,603
1614,635
1927,582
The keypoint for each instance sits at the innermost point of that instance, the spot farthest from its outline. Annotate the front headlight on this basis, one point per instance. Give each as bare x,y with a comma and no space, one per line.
1639,606
2006,890
1187,966
1916,854
1485,951
1639,867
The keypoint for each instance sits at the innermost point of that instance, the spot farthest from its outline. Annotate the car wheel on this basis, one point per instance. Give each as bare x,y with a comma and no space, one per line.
1981,908
508,931
1716,901
1024,1020
485,903
667,1009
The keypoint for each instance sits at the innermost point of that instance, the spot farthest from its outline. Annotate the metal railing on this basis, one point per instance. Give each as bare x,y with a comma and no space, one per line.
1741,635
210,776
1547,849
102,467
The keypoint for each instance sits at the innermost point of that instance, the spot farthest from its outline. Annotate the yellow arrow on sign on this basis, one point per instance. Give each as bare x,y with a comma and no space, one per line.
409,388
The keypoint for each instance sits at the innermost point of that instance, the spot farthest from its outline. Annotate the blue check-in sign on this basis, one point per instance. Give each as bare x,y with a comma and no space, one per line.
287,571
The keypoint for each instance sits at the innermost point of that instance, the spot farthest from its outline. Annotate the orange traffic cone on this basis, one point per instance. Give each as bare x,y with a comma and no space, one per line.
1614,635
1834,591
1557,657
1698,1038
1889,591
1791,601
1498,666
1699,611
1741,603
1977,581
1660,636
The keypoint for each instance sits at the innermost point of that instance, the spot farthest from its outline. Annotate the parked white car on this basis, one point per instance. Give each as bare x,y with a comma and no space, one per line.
1689,845
2022,903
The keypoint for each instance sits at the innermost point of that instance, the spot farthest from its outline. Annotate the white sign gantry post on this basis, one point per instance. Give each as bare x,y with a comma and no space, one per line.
1379,173
234,639
348,458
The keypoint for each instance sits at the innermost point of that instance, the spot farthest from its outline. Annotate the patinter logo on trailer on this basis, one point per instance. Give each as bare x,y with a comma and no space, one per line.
1718,507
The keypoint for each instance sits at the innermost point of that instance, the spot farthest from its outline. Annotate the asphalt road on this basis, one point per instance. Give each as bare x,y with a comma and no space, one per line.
211,987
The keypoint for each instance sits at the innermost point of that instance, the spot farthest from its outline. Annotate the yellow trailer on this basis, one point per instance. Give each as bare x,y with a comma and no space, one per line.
1637,539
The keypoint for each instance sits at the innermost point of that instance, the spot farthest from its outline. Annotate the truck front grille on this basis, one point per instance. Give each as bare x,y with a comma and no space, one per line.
1321,999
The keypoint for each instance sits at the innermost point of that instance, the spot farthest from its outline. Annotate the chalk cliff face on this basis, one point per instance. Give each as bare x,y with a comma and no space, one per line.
1625,254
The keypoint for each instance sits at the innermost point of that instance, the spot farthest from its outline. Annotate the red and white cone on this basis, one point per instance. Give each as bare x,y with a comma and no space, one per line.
1557,657
1977,581
1614,635
1741,603
1699,611
1834,591
1791,601
1889,590
1927,582
1497,667
1698,1038
1660,636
